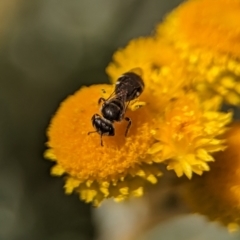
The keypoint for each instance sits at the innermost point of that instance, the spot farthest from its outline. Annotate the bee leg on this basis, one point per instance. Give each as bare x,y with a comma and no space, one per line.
100,100
91,132
101,140
129,125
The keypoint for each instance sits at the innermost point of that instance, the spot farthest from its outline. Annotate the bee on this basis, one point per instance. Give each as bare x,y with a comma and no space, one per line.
128,87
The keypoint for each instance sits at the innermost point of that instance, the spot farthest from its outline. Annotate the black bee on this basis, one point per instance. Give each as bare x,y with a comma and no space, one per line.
128,87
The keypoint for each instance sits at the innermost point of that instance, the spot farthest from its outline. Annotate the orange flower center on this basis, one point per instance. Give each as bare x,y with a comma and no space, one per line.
80,154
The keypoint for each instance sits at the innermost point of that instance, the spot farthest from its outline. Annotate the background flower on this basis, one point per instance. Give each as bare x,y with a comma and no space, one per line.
205,36
216,194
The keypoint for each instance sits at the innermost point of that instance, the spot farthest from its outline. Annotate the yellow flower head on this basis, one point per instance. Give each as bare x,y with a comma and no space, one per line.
185,129
164,75
211,24
145,53
96,171
179,124
206,34
216,194
187,135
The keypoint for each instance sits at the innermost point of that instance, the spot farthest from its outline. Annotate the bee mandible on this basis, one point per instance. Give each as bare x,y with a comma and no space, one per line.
128,87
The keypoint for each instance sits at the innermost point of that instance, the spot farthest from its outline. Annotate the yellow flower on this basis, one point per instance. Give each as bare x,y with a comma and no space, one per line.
211,24
178,126
181,134
119,169
216,194
206,34
164,75
148,54
185,129
187,135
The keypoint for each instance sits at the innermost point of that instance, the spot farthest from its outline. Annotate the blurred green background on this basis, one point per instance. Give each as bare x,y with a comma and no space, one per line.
49,49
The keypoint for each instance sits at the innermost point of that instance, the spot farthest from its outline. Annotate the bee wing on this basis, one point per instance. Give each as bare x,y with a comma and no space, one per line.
121,95
112,95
